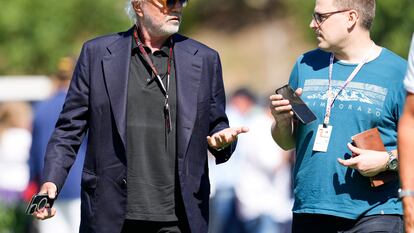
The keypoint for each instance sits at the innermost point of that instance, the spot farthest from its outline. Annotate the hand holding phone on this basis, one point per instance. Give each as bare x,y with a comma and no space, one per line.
299,108
38,202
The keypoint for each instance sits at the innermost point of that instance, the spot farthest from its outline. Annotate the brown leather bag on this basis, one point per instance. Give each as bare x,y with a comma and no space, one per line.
371,140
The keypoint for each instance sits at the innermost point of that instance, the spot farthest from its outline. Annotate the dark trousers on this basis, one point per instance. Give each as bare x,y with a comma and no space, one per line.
318,223
136,226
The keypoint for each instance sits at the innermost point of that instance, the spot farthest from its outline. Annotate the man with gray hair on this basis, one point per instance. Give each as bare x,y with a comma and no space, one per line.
152,102
352,85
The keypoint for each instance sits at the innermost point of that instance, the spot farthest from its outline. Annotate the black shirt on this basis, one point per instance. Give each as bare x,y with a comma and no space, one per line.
151,151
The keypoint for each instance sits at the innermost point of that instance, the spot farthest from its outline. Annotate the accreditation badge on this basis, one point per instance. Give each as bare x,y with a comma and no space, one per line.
323,135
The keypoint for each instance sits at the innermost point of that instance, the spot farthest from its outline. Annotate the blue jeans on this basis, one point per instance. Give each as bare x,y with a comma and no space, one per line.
223,217
266,224
319,223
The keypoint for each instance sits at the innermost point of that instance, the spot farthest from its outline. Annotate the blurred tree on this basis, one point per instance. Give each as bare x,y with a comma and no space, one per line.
35,34
230,15
394,25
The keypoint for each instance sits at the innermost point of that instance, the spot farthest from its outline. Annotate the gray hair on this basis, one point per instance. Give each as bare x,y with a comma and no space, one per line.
129,9
365,8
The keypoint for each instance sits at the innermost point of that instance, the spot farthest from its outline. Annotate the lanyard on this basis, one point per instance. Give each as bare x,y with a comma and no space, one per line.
330,95
151,64
165,90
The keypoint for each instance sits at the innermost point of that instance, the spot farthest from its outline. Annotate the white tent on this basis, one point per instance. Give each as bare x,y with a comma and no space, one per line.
25,88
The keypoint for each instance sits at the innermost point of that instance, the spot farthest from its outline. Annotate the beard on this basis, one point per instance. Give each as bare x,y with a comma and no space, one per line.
157,28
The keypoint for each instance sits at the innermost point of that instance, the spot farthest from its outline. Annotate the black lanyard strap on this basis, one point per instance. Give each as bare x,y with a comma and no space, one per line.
151,64
167,113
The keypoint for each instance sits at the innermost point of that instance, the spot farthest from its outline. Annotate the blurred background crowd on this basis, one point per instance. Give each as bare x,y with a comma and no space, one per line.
258,41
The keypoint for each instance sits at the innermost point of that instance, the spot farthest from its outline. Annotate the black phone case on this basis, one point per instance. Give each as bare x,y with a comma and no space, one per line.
301,110
38,201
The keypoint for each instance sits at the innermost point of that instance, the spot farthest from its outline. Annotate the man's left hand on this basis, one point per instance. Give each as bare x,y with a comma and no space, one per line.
225,137
368,162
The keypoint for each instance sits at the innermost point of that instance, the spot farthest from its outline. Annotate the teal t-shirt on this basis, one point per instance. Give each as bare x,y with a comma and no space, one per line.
374,98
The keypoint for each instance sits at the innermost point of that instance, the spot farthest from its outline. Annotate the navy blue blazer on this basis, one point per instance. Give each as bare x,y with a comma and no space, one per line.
96,102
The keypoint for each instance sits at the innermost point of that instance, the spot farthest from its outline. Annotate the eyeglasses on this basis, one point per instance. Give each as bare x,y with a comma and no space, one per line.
171,3
321,17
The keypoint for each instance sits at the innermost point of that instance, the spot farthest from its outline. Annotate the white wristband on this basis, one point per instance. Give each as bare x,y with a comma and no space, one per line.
405,193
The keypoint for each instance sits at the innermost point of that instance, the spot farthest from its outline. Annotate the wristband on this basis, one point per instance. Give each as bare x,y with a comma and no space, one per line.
405,193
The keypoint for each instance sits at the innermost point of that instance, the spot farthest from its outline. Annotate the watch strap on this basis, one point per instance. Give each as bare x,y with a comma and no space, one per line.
391,158
405,193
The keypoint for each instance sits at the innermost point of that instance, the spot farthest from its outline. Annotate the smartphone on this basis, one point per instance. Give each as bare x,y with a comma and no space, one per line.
301,110
38,202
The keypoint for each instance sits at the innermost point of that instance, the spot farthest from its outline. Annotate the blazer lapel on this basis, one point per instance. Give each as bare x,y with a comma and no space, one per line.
188,73
116,71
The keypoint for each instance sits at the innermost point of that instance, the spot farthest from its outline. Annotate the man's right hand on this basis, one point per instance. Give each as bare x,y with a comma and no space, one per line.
282,128
280,107
47,212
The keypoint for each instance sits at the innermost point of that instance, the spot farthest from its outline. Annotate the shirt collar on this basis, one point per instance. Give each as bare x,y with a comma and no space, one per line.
165,49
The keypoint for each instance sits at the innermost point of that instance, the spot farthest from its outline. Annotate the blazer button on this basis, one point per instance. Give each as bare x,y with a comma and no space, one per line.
124,183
